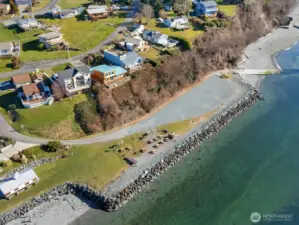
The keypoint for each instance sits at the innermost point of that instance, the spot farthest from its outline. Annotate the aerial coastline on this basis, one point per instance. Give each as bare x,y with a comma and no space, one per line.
259,56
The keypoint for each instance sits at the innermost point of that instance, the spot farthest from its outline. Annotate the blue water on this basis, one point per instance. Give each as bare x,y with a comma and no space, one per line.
250,166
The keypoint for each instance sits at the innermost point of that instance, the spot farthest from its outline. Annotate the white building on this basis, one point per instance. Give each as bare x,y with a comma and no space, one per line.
51,39
178,23
159,38
17,183
26,24
9,49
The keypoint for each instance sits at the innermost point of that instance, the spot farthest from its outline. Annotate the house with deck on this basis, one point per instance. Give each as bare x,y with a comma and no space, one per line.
206,8
137,29
179,22
69,13
159,38
26,24
106,74
34,95
95,12
129,60
20,181
9,49
73,79
51,39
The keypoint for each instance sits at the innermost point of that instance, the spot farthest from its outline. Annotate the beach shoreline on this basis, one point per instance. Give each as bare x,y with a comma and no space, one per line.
265,49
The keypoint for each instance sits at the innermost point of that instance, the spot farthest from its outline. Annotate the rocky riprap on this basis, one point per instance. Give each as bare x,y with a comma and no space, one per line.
118,200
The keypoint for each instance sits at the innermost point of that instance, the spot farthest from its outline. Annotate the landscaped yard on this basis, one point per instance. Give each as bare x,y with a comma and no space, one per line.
66,4
152,54
189,34
55,121
90,165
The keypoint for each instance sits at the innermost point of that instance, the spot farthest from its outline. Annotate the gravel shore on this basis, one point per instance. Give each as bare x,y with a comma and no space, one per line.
64,210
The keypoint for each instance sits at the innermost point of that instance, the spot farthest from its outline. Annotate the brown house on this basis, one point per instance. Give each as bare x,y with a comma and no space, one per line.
96,12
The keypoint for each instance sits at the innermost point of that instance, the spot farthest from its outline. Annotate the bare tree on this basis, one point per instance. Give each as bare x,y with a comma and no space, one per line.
181,6
147,12
58,92
162,13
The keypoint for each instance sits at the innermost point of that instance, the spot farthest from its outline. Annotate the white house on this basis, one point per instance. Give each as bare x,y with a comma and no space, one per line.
17,183
178,23
138,28
159,38
9,49
26,24
134,43
73,79
51,39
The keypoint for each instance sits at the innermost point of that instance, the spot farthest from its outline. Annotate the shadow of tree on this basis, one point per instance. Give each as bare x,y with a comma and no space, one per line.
32,46
9,99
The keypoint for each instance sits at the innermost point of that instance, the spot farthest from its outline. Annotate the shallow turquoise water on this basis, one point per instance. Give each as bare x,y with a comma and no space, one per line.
250,166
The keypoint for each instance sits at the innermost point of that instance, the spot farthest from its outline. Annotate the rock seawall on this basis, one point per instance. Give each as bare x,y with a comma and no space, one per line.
116,201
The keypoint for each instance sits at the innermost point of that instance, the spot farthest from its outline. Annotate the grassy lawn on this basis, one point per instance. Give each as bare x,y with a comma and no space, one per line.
41,5
84,35
152,54
229,10
189,34
66,4
91,165
55,121
5,65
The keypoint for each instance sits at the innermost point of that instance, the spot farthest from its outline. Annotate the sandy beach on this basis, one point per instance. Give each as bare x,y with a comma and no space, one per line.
64,210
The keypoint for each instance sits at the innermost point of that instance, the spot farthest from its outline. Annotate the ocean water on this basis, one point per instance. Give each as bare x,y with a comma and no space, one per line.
252,165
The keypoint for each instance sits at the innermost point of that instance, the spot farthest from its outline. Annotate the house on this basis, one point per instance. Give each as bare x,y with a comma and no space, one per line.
206,8
167,7
18,182
128,60
34,95
26,24
179,23
9,49
159,38
19,80
51,39
68,13
23,2
73,79
134,43
107,74
4,9
138,28
97,12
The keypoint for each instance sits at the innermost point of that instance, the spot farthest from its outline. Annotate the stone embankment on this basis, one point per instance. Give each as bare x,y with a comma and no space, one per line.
116,201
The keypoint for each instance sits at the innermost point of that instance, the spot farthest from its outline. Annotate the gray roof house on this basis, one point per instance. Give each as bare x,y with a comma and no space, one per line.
132,43
73,79
128,60
17,183
206,8
159,38
26,24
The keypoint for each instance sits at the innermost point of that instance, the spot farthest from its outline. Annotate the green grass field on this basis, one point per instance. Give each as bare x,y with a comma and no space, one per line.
55,121
90,165
229,10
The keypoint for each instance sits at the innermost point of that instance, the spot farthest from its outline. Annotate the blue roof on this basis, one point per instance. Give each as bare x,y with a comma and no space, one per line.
105,68
208,4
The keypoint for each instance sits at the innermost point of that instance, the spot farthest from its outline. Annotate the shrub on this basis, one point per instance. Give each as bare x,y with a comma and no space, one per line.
16,158
6,163
54,146
28,153
24,159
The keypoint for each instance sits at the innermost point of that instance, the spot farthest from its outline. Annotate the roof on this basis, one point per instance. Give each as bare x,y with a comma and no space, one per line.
23,2
25,21
105,68
95,9
132,40
50,35
20,79
72,71
4,6
19,178
30,89
5,45
130,58
178,18
209,4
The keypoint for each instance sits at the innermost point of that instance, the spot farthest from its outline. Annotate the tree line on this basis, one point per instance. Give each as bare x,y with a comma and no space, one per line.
217,49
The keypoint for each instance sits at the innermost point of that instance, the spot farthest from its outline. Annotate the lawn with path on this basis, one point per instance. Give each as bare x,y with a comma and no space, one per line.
66,4
55,121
